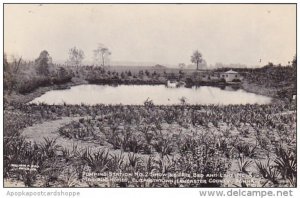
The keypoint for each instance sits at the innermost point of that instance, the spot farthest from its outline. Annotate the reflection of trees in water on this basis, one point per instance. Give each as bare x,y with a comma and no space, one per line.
222,87
230,87
236,87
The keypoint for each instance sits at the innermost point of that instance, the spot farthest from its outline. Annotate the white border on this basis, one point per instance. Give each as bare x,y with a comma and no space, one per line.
130,192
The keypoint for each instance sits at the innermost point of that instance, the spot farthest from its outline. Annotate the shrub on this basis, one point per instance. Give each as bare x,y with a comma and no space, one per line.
268,172
98,161
244,164
286,163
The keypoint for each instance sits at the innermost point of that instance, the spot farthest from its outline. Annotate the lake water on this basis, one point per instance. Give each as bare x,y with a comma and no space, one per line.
159,94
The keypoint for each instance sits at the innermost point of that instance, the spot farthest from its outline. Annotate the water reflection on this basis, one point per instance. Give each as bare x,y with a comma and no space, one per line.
159,94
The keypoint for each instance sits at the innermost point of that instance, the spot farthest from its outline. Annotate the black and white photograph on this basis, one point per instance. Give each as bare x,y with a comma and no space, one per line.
149,95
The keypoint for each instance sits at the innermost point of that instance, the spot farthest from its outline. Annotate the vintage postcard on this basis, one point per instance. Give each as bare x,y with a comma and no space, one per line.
149,95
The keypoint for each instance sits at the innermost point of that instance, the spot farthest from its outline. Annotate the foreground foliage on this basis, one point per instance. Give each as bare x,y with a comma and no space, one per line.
212,141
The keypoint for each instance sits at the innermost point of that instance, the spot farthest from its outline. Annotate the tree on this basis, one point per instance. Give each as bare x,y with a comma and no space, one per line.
154,73
11,72
141,73
270,64
294,62
75,56
196,58
122,75
43,63
101,55
5,63
147,73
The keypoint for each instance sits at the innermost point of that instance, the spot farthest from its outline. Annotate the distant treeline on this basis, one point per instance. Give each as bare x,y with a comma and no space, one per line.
24,77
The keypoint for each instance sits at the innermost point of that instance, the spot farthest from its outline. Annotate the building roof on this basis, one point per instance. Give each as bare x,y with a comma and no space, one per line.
231,72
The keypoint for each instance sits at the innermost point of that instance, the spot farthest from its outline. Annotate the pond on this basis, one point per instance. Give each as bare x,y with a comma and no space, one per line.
159,94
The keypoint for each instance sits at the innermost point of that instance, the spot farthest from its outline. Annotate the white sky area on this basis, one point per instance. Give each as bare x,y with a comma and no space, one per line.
163,34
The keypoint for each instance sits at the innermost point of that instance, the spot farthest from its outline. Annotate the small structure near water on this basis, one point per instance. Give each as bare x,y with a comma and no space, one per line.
204,77
211,76
231,76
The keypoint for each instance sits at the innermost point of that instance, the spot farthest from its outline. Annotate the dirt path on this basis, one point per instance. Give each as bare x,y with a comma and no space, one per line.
49,129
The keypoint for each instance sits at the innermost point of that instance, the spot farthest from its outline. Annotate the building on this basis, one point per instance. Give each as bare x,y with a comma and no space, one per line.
231,76
210,76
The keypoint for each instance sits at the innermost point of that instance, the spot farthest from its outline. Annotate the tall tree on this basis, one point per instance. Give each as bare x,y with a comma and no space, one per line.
43,63
196,58
75,56
101,55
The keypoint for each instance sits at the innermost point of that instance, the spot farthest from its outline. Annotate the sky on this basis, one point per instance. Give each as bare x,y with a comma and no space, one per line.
162,34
